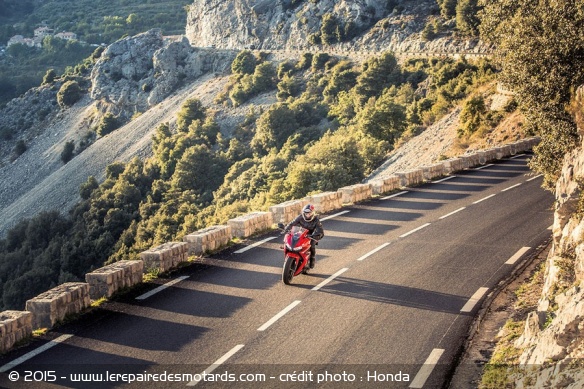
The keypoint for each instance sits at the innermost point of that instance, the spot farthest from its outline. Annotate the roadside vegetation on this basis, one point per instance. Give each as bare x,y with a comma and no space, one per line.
333,124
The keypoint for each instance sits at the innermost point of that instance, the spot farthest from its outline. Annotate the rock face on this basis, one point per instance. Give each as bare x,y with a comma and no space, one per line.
135,73
368,25
553,339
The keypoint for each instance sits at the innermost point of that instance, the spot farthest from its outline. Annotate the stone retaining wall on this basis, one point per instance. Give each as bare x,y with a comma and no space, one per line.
165,257
385,185
287,211
411,177
208,239
327,201
433,171
355,193
107,280
54,305
14,327
252,223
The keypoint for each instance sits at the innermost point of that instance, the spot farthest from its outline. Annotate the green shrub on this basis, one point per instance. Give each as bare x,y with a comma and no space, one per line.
69,93
68,151
108,124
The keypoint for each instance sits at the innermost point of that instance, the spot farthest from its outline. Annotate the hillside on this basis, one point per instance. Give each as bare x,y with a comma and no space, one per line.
283,99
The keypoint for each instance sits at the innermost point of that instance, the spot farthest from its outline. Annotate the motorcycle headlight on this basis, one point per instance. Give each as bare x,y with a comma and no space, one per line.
295,249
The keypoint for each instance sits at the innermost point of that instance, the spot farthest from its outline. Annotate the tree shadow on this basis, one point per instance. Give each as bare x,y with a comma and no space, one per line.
396,295
145,333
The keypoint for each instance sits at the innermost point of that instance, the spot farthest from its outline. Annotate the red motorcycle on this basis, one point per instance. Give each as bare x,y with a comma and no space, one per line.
296,253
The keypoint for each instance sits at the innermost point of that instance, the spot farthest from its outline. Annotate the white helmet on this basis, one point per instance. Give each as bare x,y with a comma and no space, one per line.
308,212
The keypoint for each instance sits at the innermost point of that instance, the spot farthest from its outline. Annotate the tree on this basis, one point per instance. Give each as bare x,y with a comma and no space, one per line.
69,93
540,48
467,21
244,63
107,124
448,8
382,119
328,29
49,77
264,77
68,151
191,110
378,74
332,162
88,187
274,127
472,114
20,148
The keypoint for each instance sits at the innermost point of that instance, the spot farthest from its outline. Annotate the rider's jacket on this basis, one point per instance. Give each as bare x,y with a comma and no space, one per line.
313,226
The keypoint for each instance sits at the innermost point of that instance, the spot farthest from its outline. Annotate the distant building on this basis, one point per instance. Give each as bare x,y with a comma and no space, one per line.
31,42
69,36
42,32
39,34
15,39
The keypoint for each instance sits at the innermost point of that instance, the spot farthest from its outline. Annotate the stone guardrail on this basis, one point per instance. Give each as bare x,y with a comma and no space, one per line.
385,185
14,327
106,281
356,193
247,225
287,211
327,201
165,257
208,239
50,307
54,305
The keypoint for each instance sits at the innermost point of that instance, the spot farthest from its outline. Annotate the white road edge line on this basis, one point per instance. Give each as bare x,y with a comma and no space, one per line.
533,178
414,230
485,166
444,179
452,213
256,244
427,368
278,316
395,195
34,353
317,287
218,363
372,251
335,215
517,156
475,298
161,288
484,198
517,255
511,187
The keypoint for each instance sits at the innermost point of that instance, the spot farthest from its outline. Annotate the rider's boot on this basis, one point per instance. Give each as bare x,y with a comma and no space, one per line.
311,265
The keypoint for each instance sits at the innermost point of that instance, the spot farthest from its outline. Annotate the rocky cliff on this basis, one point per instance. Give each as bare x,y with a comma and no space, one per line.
553,339
363,25
130,77
139,72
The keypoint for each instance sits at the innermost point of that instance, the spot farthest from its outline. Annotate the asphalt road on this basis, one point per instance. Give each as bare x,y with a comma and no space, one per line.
397,283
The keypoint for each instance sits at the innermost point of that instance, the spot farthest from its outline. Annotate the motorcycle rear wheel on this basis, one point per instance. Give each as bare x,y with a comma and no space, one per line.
289,270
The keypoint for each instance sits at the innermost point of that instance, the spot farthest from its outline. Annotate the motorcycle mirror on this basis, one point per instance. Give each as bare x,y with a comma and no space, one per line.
281,226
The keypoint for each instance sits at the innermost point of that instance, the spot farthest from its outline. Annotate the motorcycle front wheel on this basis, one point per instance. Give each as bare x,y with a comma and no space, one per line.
289,270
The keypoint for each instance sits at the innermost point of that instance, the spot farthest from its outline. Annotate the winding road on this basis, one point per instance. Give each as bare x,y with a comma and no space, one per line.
397,283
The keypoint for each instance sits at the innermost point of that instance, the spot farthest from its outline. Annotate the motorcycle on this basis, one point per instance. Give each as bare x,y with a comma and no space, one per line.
296,253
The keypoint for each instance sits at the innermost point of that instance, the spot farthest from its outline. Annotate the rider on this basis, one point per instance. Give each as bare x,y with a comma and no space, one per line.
309,220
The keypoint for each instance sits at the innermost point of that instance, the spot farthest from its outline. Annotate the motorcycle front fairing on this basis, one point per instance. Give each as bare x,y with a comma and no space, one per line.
298,244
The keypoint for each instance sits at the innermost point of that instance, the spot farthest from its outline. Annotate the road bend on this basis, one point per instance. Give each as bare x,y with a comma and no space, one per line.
397,283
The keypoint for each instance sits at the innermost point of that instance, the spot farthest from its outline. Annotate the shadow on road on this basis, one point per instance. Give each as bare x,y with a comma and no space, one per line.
396,295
